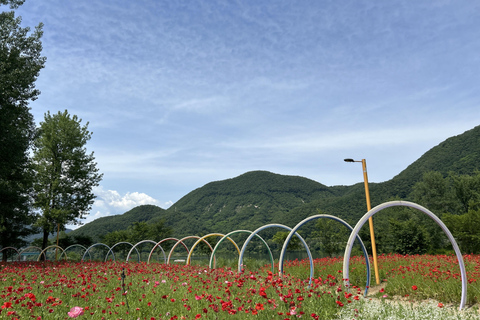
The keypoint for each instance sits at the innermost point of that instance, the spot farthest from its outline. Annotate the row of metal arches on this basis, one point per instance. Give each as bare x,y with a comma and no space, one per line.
293,231
212,263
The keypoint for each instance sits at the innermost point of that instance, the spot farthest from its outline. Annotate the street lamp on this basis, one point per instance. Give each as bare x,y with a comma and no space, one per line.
370,220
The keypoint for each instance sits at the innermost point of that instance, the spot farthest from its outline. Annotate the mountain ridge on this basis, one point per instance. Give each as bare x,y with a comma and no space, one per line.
256,198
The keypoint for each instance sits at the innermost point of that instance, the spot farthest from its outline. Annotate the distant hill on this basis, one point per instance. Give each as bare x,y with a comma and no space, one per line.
256,198
245,202
459,154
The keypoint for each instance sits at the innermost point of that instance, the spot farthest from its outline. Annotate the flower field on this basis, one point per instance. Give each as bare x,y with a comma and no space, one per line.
119,290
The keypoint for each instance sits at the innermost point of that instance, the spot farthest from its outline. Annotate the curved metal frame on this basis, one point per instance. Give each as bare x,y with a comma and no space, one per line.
158,245
361,222
240,259
240,231
34,247
50,247
213,253
326,216
98,244
181,240
13,248
144,241
73,245
116,244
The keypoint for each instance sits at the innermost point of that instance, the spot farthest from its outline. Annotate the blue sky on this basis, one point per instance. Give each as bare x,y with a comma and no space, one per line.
182,93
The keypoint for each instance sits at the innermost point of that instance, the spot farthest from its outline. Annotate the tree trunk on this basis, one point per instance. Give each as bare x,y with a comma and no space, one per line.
44,242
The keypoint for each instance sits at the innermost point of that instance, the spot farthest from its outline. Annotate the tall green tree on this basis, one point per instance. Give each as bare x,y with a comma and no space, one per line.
465,228
65,172
333,236
457,199
467,191
114,237
434,192
455,194
137,232
409,237
280,237
20,65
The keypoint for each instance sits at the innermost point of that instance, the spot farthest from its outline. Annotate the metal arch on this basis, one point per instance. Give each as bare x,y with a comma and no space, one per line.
158,245
181,240
33,247
327,216
74,245
18,252
240,231
240,260
98,244
50,247
361,222
213,253
116,244
143,241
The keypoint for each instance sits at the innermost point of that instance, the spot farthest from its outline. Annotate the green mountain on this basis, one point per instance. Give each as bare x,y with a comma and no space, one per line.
257,198
247,202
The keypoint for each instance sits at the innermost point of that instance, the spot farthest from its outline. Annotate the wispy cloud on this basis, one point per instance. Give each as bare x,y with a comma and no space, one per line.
179,94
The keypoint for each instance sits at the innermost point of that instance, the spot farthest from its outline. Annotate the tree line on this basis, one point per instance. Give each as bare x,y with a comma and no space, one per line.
46,173
454,198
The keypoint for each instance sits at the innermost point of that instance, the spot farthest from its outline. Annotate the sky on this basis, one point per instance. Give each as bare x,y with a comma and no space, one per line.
178,94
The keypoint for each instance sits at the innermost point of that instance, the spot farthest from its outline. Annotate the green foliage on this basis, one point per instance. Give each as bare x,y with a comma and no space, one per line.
117,236
66,240
204,248
137,232
414,233
459,154
433,192
403,230
20,60
64,173
333,236
280,237
245,202
454,194
12,3
20,64
467,191
37,242
409,237
465,229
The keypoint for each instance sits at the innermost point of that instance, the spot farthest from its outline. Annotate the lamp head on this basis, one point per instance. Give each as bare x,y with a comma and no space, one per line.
348,160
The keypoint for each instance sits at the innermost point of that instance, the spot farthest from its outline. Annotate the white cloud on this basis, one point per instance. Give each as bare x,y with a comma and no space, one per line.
112,199
110,202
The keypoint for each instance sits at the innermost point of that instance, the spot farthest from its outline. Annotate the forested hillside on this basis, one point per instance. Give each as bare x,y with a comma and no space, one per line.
256,198
252,199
